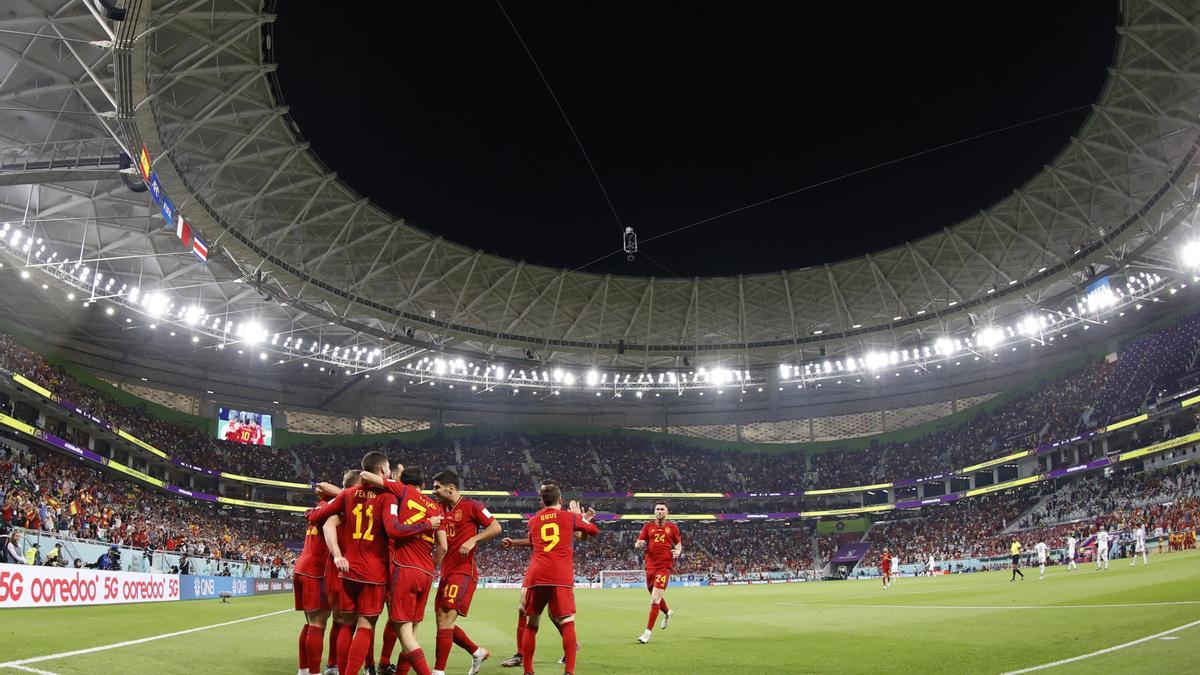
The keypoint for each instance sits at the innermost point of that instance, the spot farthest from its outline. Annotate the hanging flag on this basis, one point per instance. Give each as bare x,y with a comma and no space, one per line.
184,232
199,248
156,190
144,163
168,210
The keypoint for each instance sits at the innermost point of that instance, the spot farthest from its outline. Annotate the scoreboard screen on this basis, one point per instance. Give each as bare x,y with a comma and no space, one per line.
242,426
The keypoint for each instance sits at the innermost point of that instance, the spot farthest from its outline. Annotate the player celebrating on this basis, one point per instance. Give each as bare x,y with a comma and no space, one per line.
1139,546
1071,542
363,566
550,579
413,525
663,544
1015,549
1102,548
885,568
1042,549
308,579
467,524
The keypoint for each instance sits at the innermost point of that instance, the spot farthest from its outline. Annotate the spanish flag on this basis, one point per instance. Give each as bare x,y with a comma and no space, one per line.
144,163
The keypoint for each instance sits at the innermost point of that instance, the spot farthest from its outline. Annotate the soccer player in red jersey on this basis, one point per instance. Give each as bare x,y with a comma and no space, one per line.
550,579
413,523
663,544
468,523
363,567
308,582
885,565
333,582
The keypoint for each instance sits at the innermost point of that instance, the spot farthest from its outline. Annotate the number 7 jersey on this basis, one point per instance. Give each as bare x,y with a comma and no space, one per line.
552,535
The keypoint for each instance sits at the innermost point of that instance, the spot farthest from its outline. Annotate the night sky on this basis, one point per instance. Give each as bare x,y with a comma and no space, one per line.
689,110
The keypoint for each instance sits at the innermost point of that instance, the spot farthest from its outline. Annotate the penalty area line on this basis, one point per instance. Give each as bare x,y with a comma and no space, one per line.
18,663
29,670
1101,652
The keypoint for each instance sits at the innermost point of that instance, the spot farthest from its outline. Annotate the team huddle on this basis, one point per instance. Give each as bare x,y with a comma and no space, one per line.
379,540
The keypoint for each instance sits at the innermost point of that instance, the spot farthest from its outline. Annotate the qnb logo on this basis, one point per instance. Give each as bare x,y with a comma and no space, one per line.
205,587
241,587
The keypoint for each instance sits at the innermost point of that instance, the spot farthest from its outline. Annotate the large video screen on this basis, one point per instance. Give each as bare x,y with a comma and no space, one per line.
241,426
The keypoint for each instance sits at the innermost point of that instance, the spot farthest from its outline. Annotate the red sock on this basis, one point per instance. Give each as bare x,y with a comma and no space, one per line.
570,645
316,640
345,637
461,639
662,604
520,631
334,629
417,658
359,648
653,616
304,647
389,644
402,664
445,639
528,646
371,650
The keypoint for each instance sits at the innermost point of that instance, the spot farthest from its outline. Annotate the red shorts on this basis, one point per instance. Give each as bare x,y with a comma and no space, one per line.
658,578
408,594
362,598
455,592
333,588
310,593
560,598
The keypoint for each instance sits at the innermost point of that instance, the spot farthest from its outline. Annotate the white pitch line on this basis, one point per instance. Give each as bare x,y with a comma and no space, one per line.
30,670
91,650
1101,652
1124,604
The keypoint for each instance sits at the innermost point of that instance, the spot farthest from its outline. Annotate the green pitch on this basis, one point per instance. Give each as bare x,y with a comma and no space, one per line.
956,624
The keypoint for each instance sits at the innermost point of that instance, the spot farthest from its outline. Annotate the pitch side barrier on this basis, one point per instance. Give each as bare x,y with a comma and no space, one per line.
24,586
1179,403
1087,467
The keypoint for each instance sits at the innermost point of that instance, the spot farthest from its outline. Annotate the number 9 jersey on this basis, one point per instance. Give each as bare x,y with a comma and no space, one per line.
552,535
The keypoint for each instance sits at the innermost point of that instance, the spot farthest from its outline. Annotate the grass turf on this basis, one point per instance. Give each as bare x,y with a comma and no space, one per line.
954,624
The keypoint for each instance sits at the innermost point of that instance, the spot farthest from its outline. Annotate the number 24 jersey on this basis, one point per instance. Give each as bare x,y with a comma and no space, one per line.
552,536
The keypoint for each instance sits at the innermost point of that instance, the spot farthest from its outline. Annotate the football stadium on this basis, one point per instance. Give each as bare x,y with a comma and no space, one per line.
382,338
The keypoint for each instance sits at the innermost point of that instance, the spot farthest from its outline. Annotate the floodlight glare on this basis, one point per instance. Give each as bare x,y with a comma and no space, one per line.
1189,255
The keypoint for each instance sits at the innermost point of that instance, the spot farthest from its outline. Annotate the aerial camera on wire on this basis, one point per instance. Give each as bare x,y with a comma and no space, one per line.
629,243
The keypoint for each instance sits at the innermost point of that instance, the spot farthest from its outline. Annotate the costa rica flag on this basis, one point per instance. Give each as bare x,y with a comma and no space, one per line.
199,248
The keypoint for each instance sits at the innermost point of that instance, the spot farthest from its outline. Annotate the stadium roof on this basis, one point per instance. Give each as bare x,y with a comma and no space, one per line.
295,250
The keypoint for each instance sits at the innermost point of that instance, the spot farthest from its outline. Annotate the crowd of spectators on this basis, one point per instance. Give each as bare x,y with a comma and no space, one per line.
1083,399
47,492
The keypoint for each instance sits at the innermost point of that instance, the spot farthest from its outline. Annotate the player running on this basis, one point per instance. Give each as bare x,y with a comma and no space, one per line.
895,568
1015,549
1102,548
1139,546
354,518
550,579
1071,542
663,544
467,523
885,568
1042,550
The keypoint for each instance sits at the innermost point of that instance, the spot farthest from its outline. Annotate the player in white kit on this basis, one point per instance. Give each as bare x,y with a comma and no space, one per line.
895,567
932,565
1139,546
1071,552
1042,549
1102,548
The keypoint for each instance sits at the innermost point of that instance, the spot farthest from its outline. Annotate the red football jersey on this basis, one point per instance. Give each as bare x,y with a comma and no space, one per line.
315,553
551,535
885,562
463,521
660,541
362,540
406,521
